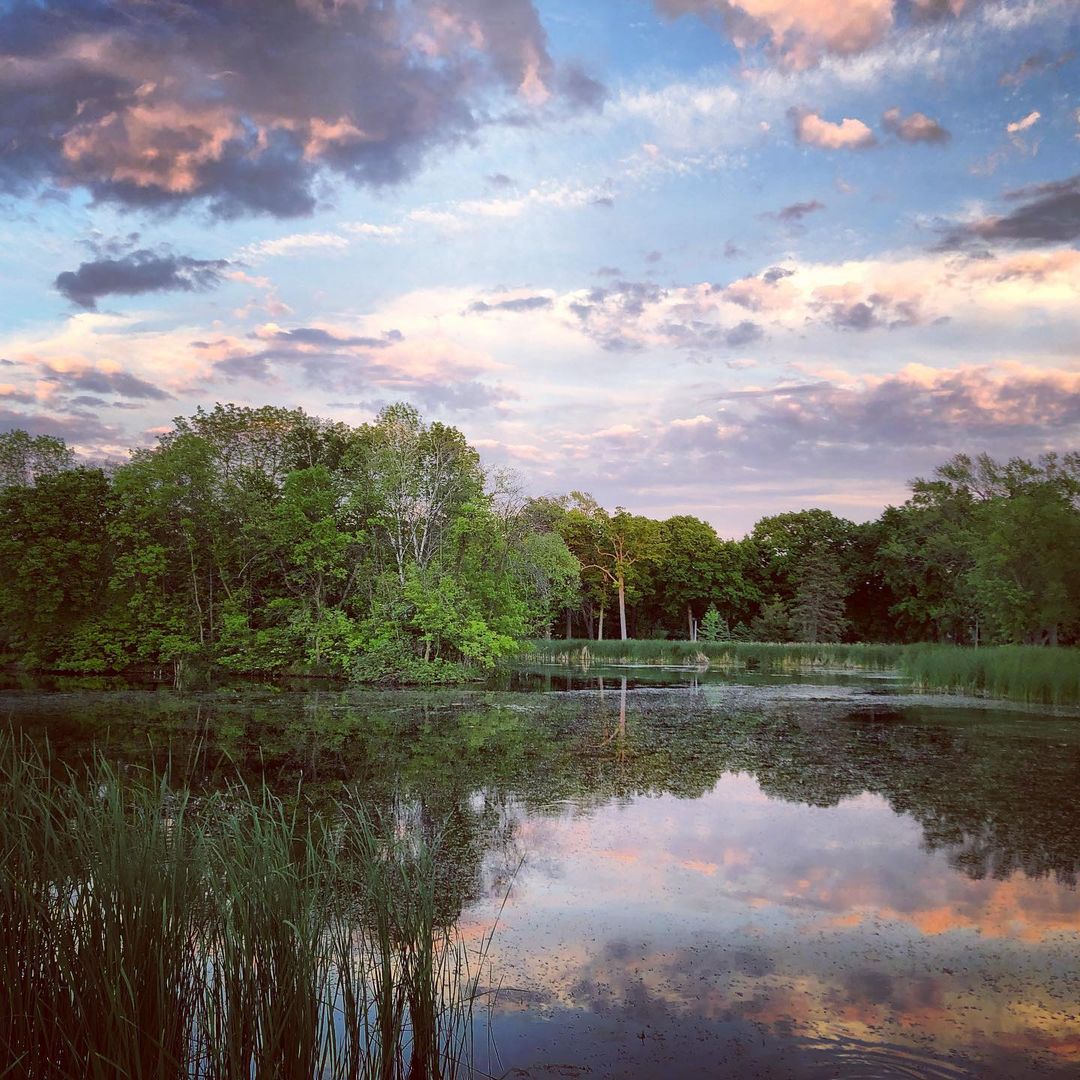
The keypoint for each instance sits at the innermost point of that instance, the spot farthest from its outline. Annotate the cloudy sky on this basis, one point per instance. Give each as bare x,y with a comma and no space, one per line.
721,257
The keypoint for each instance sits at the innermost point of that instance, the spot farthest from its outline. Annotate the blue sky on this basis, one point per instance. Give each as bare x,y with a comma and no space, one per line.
721,257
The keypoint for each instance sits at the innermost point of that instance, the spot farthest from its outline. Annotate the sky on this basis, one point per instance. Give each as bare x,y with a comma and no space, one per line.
726,258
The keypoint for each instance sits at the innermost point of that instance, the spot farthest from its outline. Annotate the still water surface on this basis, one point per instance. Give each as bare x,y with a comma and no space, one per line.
791,877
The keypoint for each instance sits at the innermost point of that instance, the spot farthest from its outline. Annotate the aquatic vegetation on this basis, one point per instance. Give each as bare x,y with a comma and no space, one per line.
1036,674
765,656
148,933
1032,673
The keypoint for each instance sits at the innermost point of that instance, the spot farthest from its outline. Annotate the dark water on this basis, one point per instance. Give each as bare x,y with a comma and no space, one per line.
783,878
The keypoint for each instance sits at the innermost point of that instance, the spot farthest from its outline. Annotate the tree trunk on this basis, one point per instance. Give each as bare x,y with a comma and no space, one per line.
622,608
569,624
690,622
600,630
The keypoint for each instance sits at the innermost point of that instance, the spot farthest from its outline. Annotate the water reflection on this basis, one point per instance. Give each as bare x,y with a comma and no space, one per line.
767,885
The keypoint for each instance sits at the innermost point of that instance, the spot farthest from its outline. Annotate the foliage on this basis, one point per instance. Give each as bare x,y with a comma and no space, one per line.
714,626
264,540
146,933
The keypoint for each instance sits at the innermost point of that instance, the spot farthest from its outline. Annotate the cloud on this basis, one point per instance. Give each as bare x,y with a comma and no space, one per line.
797,32
874,312
977,405
743,334
1034,65
314,335
797,211
302,242
80,431
916,127
520,303
1047,213
1028,121
104,380
161,104
812,130
138,272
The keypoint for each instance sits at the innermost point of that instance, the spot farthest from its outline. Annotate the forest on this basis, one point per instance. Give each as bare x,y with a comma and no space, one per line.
266,540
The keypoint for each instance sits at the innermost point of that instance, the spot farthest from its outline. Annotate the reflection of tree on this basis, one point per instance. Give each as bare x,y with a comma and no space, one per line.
993,799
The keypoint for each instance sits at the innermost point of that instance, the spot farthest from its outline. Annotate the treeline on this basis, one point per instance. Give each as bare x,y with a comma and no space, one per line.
267,540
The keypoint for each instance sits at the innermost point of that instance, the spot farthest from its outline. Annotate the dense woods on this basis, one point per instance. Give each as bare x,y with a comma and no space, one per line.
268,540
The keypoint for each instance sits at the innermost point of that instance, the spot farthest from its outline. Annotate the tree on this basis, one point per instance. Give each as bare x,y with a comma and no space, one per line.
25,459
1026,572
817,611
625,541
696,568
54,559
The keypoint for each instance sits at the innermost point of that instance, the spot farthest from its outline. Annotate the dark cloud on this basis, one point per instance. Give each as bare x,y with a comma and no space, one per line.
121,383
460,397
875,311
1035,65
743,334
607,271
797,211
500,180
824,428
523,303
731,249
607,201
953,407
775,274
1045,214
22,396
243,105
914,128
313,335
77,430
136,273
653,256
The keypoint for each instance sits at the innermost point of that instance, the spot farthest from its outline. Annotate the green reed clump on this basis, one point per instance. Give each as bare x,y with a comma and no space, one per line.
1036,674
723,654
144,933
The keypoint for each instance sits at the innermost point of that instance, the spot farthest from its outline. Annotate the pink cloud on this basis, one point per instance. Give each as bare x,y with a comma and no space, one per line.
812,130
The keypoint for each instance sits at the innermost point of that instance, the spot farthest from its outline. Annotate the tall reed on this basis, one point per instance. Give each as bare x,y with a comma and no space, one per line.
722,654
1031,673
144,933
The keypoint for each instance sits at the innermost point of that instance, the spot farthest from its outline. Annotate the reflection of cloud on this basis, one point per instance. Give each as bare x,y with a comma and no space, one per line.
829,930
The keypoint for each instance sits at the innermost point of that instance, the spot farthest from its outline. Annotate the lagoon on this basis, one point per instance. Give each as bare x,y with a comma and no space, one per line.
774,876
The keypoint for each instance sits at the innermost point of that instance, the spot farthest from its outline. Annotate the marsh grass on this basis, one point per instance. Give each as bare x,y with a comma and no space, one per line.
1035,674
749,655
146,933
1030,673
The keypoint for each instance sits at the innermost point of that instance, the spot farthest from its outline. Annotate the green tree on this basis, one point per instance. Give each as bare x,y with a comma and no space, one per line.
817,610
54,559
24,458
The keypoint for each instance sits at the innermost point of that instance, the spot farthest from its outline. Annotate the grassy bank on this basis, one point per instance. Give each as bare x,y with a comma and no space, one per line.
146,934
1045,676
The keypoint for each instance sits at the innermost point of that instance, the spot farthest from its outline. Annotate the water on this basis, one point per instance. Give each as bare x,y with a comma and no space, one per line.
787,877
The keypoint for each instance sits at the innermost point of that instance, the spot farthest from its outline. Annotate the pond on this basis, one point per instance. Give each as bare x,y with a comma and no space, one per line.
768,877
